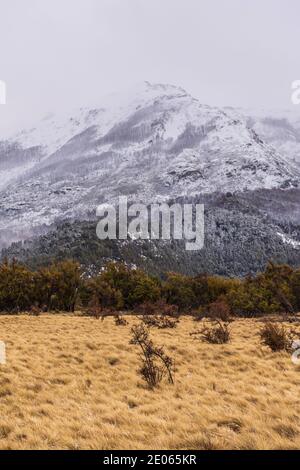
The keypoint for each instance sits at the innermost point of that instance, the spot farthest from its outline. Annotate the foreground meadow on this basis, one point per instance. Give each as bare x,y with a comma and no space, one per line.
71,382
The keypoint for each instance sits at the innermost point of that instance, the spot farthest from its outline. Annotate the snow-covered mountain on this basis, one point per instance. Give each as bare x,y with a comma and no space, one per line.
281,129
155,142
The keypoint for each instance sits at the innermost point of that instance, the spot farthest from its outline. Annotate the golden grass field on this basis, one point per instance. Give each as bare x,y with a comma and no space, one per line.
71,382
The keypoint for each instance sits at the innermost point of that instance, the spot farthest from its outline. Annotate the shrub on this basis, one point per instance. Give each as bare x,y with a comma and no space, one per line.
219,310
219,333
276,337
199,314
94,309
155,362
120,321
35,311
151,320
160,321
167,322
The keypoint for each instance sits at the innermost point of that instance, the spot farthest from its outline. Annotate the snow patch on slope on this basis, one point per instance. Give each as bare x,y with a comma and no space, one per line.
289,241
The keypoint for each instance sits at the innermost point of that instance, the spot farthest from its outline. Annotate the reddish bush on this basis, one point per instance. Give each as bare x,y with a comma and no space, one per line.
219,310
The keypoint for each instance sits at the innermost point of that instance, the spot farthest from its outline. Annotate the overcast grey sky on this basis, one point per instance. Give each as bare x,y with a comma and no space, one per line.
65,53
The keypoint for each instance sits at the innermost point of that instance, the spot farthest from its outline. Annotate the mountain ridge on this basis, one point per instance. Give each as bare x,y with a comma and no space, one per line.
156,144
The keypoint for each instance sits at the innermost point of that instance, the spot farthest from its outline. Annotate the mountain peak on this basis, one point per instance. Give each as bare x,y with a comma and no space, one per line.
165,88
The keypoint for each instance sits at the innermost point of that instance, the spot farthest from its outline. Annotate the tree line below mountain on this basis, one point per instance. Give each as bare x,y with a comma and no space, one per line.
63,286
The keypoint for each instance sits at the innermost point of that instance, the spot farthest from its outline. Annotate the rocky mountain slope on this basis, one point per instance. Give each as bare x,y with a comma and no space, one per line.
155,143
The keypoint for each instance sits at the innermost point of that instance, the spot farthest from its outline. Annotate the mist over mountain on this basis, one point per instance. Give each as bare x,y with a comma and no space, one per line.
154,143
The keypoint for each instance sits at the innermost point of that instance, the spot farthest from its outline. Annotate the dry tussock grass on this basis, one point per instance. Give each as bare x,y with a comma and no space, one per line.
72,383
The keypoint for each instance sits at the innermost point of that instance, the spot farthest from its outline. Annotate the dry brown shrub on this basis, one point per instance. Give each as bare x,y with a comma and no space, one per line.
159,321
35,311
96,311
120,321
219,333
155,362
218,310
276,337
